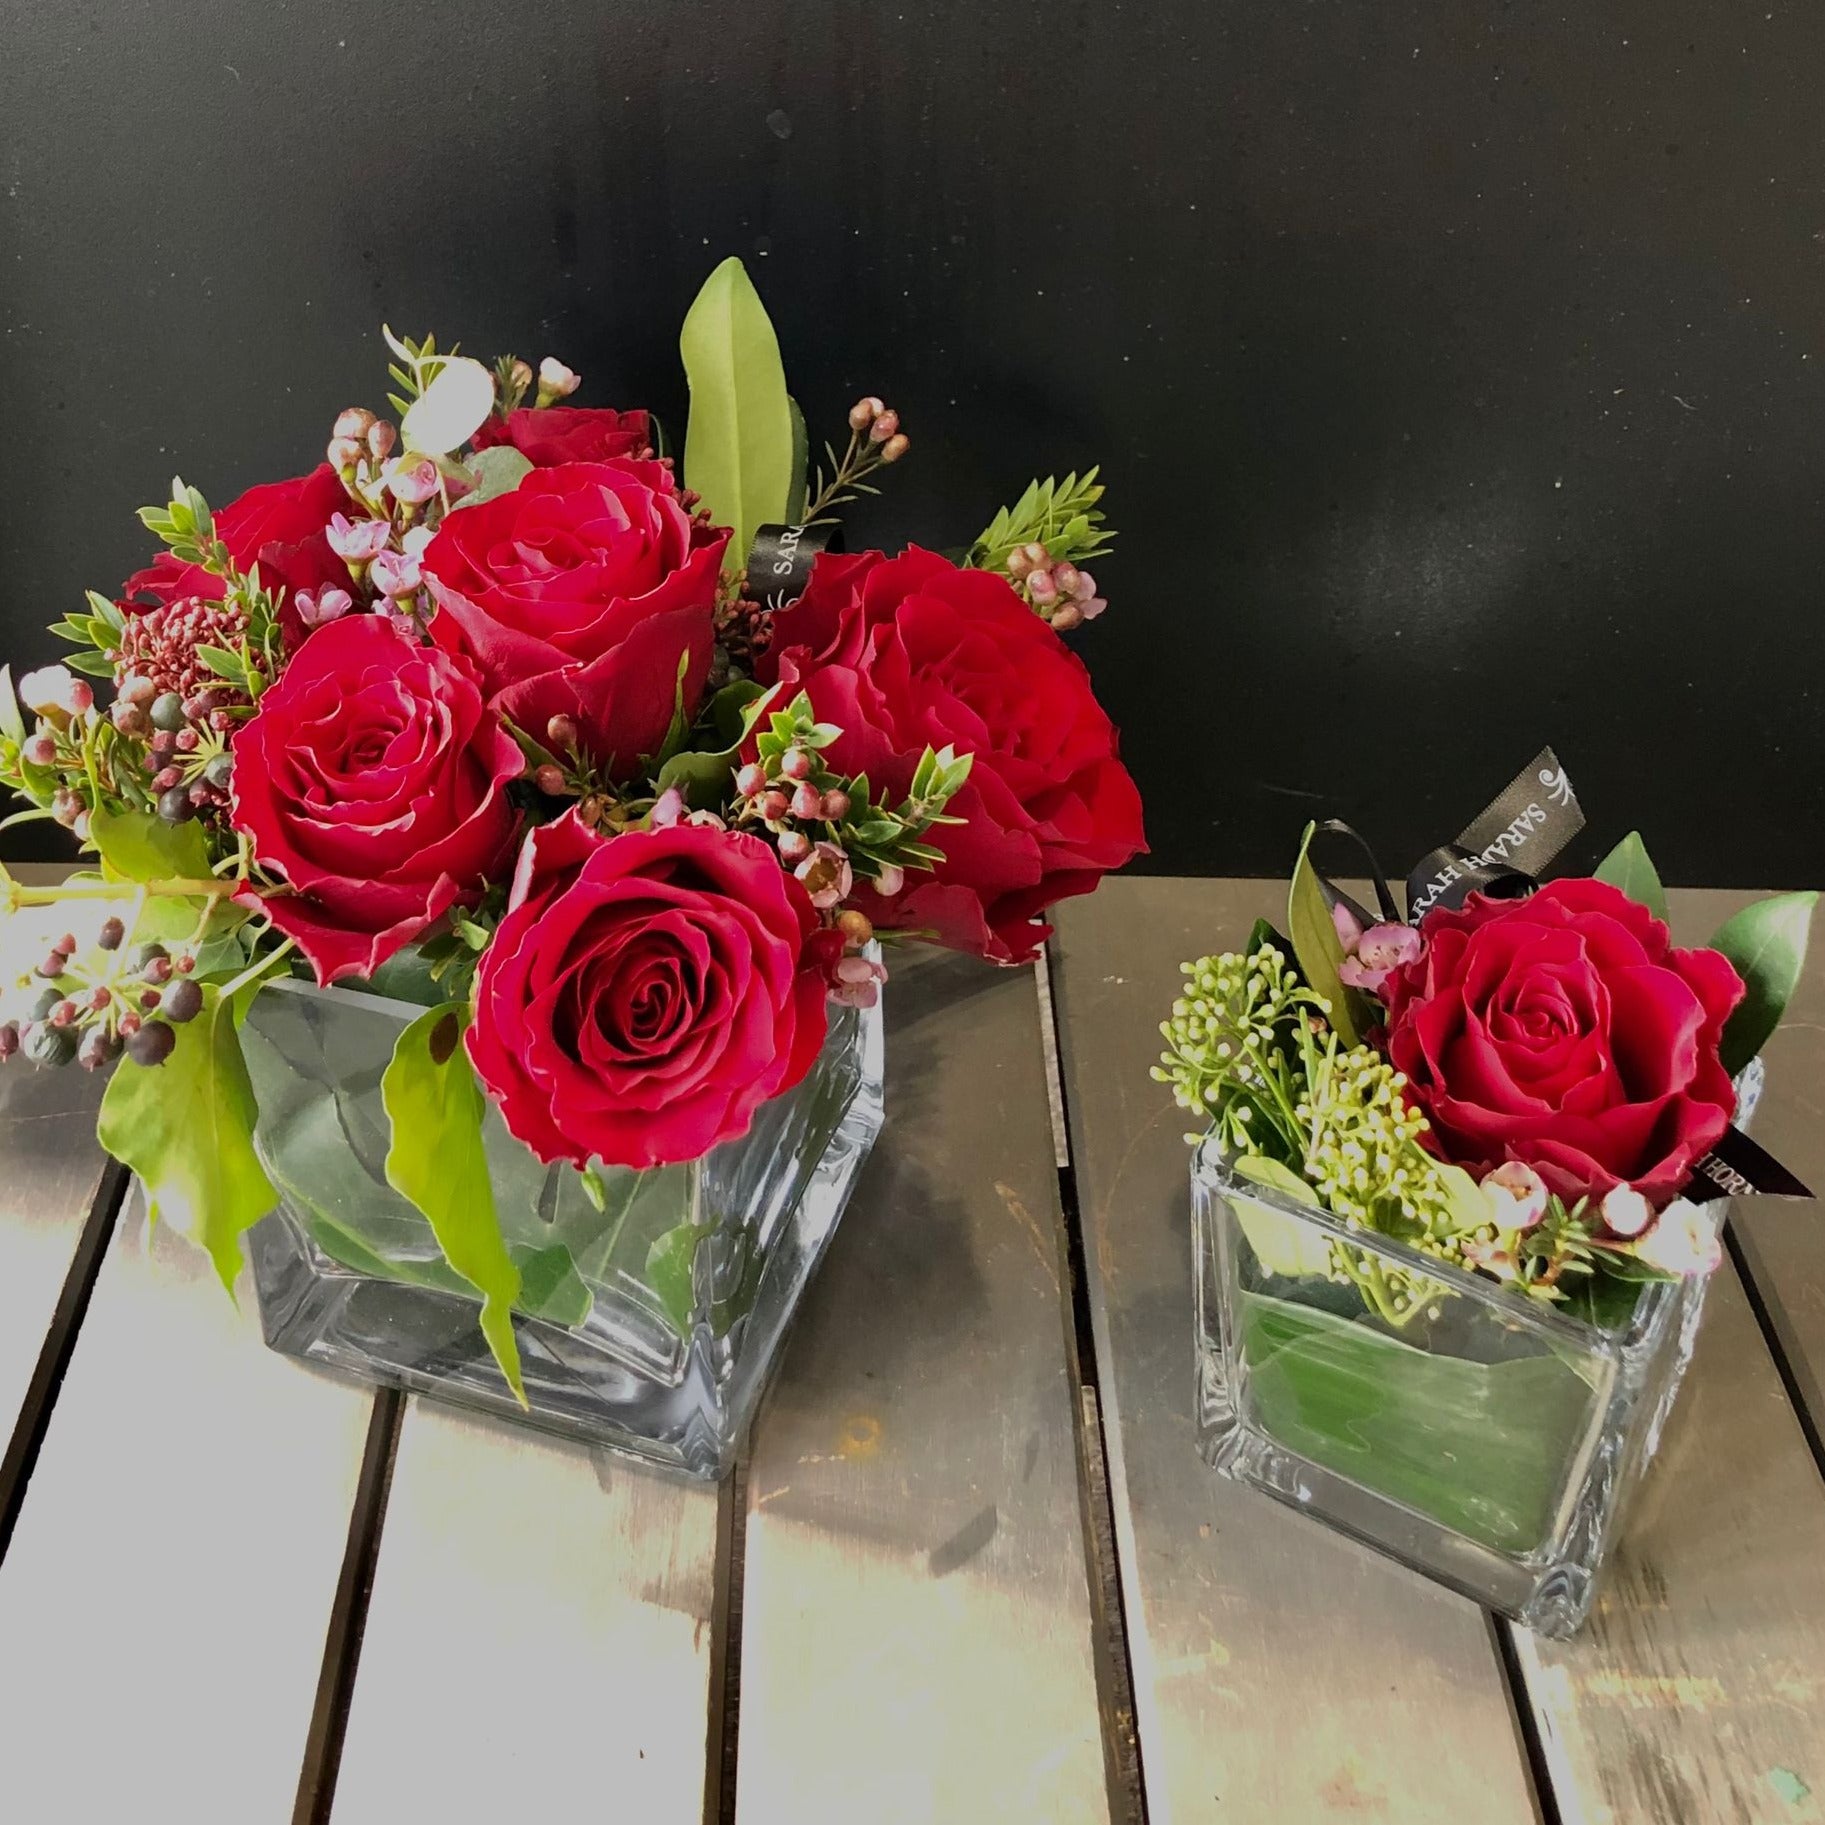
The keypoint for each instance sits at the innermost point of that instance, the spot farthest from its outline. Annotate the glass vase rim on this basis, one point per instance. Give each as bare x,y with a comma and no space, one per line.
1650,1311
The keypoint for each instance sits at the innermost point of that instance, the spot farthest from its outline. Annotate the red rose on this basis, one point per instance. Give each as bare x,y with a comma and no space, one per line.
909,651
1566,1032
281,526
374,779
568,434
646,993
579,593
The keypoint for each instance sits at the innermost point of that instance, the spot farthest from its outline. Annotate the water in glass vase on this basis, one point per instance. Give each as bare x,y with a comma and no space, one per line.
647,1321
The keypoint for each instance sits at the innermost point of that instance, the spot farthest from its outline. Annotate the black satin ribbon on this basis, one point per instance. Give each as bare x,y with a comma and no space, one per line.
780,560
1737,1168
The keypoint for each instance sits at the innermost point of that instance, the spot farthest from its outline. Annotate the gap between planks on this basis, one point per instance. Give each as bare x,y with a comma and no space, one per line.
1113,1662
59,1345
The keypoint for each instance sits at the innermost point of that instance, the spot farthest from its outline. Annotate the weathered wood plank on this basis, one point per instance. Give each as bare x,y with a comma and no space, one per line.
164,1601
538,1637
917,1638
1280,1671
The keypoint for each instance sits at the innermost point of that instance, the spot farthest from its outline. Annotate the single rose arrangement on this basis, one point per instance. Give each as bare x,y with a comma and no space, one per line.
1530,1083
622,772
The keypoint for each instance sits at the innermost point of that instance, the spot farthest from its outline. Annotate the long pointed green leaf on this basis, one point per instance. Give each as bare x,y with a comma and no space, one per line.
1767,944
435,1108
186,1128
1316,944
738,444
1628,869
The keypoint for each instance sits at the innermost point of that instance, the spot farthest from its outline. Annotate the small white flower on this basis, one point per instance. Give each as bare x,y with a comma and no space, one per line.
1516,1194
1684,1241
1625,1211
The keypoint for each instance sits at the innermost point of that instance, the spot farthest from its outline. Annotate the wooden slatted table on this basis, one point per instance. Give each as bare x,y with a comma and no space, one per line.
971,1568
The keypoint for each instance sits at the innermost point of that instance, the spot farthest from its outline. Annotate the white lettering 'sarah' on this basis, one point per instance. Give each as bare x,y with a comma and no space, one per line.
1502,849
787,555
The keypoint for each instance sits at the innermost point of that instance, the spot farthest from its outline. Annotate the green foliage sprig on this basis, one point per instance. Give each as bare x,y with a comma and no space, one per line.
1062,516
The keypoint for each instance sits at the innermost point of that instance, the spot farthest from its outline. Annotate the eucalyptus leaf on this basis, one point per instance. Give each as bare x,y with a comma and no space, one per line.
501,469
186,1129
1316,944
668,1272
436,1160
1767,944
738,442
450,410
141,846
1628,869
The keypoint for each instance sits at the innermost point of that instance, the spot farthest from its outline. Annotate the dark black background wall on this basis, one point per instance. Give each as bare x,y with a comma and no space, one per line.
1456,369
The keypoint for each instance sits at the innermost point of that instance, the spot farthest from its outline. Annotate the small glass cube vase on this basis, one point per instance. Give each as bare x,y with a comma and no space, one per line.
1486,1439
648,1324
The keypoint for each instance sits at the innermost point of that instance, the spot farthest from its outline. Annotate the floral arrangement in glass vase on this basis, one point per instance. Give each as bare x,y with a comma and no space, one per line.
1457,1191
499,843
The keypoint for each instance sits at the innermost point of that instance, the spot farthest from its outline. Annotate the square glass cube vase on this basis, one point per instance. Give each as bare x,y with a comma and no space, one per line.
1486,1439
647,1323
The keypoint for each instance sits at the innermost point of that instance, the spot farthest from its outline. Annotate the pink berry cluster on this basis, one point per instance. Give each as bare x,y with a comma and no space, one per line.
160,646
1062,593
881,424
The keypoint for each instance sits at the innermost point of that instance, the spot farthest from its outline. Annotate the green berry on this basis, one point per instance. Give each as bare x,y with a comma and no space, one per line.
168,712
48,1045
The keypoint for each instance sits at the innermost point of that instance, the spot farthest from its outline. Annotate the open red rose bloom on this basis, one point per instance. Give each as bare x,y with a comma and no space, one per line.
1567,1032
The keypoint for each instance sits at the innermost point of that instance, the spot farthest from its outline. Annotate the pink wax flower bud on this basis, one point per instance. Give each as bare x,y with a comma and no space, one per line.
1625,1211
890,880
520,374
322,606
1066,616
395,574
884,426
343,453
411,482
895,447
1065,578
556,381
856,982
836,807
827,876
1041,587
1517,1195
1018,562
1684,1241
357,541
381,439
354,423
1091,607
864,412
1380,951
668,809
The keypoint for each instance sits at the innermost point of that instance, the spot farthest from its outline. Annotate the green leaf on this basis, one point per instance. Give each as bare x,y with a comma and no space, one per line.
1628,869
1469,1207
166,919
501,469
738,443
93,665
140,846
12,721
736,708
550,1286
1767,944
668,1272
186,1128
1316,944
435,1107
406,976
105,611
801,466
1260,1170
704,779
1264,934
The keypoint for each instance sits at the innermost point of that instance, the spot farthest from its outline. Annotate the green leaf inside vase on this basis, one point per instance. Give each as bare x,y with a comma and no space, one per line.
435,1108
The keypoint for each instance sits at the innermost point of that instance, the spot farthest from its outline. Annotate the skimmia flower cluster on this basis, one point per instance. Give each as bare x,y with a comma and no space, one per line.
1528,1088
493,699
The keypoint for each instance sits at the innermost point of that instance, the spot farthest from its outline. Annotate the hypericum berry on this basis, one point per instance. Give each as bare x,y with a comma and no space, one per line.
166,777
174,805
99,1048
53,966
796,763
152,1044
64,1013
562,732
751,781
220,771
148,999
184,964
157,970
182,1001
46,1045
774,805
794,846
147,954
836,807
66,944
113,933
857,928
99,998
128,718
137,690
129,1024
186,741
807,801
9,1040
550,780
590,811
163,743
